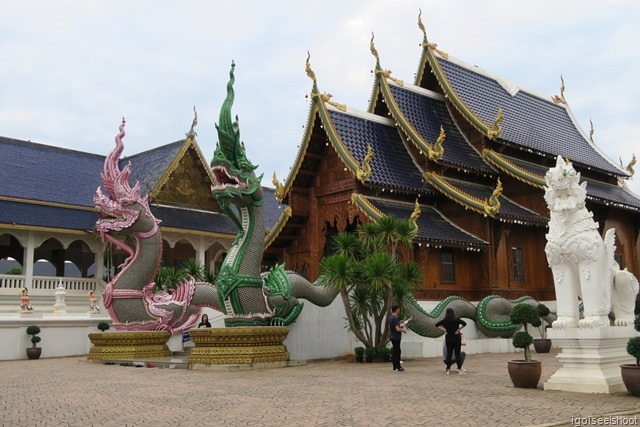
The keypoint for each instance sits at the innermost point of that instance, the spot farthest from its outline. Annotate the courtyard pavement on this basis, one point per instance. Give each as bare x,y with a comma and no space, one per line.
73,392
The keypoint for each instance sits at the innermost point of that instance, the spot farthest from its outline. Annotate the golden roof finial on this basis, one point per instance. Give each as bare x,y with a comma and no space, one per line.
192,133
560,99
492,204
436,152
279,187
364,172
372,48
308,69
421,26
496,128
591,131
326,97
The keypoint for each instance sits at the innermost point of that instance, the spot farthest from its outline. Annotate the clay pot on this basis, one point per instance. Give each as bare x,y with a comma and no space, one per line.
631,378
525,374
34,352
542,345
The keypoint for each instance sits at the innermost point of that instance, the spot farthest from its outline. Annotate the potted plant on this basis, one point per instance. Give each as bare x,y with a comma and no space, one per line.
369,352
542,344
34,352
359,351
103,326
631,372
524,373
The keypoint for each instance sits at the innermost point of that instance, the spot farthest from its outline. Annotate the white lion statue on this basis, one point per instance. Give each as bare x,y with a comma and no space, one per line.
582,262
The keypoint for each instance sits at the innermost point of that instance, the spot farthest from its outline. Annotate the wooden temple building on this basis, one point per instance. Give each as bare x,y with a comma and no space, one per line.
466,150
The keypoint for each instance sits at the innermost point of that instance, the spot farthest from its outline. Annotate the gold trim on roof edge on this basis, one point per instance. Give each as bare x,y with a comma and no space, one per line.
373,213
489,206
512,169
274,231
50,204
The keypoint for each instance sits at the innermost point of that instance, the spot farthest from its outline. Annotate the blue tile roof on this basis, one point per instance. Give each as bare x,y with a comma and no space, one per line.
186,219
433,226
272,207
148,167
45,173
426,114
32,215
392,166
530,122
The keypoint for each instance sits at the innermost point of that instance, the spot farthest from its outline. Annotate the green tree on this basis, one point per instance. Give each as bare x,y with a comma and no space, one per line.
367,269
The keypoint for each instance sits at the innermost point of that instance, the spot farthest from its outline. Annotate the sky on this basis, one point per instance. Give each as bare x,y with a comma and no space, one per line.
70,70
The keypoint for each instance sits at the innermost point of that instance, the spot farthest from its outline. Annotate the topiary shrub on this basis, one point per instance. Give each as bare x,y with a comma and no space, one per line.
633,345
34,330
103,326
524,314
543,311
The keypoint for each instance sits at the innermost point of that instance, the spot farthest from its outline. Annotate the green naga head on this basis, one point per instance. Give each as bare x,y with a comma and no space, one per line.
236,181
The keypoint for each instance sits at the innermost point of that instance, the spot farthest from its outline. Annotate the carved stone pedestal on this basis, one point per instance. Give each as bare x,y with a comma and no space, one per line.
243,345
590,359
129,345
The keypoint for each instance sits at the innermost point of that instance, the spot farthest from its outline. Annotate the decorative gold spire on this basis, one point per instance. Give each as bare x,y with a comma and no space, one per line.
421,26
560,99
632,163
364,172
416,213
308,69
425,43
372,48
492,204
591,132
496,128
436,151
192,133
279,187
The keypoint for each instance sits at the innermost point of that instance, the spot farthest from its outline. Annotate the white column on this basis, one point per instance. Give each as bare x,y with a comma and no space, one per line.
28,260
200,251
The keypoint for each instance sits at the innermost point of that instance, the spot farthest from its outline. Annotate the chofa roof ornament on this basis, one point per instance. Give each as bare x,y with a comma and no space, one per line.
560,99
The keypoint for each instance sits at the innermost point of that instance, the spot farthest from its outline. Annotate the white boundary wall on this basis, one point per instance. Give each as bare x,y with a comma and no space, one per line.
318,333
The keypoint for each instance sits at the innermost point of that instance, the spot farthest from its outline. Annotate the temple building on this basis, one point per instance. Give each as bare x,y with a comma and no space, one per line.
465,153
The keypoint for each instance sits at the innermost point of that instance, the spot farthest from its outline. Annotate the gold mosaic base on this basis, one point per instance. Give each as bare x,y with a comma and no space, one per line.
129,345
258,344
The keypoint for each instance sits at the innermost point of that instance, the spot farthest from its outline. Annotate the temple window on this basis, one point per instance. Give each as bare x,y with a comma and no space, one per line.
447,267
517,257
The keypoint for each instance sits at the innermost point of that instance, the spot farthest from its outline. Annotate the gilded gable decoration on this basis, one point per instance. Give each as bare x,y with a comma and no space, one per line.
560,99
489,206
496,128
326,97
384,73
364,171
629,168
492,204
192,133
591,132
436,151
416,214
279,187
431,46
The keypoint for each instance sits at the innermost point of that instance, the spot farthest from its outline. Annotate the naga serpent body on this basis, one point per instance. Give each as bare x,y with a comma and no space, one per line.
248,296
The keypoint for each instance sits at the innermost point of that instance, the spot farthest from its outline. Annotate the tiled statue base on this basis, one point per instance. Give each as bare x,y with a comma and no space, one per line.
590,359
129,345
244,345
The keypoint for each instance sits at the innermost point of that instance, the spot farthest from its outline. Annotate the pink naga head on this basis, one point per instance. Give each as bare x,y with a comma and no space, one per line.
121,207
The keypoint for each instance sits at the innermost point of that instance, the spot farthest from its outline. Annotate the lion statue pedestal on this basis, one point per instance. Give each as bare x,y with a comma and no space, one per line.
584,270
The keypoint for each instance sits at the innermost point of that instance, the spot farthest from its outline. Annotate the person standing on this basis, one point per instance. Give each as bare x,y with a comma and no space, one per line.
452,326
204,322
395,336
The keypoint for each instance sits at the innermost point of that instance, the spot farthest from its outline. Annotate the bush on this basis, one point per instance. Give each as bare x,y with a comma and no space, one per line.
633,345
34,330
369,352
103,326
543,311
524,314
385,354
14,271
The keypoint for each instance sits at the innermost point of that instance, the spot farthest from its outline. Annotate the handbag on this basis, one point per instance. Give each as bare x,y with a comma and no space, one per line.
463,340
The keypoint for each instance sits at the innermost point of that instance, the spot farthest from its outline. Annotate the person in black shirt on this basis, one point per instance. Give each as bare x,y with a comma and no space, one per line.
396,329
452,326
204,322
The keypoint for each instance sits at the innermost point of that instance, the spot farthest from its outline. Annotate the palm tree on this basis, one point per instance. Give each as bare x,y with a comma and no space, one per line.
367,270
